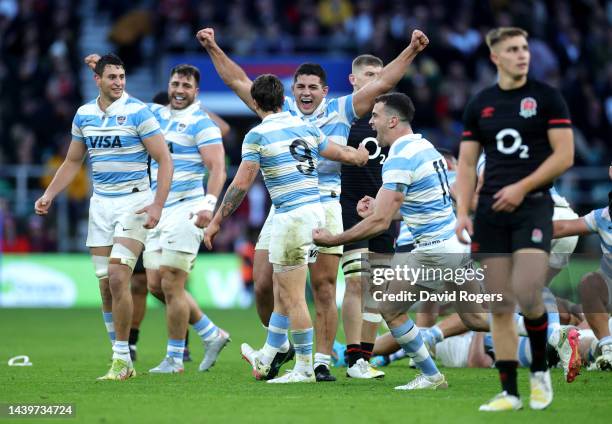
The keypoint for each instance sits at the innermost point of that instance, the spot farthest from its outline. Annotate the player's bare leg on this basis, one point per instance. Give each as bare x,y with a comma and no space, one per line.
138,288
323,275
262,280
100,259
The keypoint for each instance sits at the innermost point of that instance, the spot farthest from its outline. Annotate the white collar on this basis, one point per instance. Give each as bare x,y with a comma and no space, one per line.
112,108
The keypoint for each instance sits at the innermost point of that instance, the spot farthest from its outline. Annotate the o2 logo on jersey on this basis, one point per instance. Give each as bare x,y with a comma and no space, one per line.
377,150
515,143
302,153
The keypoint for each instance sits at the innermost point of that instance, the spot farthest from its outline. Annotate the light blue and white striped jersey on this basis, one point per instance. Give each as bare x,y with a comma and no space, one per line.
599,222
287,150
427,209
405,237
480,165
186,131
114,141
558,200
334,117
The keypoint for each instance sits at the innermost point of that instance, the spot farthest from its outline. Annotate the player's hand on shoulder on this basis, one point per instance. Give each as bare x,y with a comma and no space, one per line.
42,205
464,224
322,237
91,60
210,233
153,212
509,198
363,155
206,37
202,218
365,206
418,40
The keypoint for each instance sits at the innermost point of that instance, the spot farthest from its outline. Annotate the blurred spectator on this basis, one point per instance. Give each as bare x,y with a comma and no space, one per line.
129,30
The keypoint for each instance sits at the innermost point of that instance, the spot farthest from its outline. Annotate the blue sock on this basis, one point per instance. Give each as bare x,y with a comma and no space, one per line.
205,328
110,327
408,337
175,349
277,336
277,330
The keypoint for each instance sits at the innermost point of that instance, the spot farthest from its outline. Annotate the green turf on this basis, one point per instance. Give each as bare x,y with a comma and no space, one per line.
69,349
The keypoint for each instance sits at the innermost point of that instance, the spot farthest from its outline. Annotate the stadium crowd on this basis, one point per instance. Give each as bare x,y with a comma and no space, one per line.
40,62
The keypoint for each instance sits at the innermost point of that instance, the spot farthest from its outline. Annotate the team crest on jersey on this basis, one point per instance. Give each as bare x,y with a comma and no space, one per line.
121,119
537,235
529,107
181,127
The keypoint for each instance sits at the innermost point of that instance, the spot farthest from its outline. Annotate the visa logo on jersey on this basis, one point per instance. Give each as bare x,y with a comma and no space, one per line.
103,141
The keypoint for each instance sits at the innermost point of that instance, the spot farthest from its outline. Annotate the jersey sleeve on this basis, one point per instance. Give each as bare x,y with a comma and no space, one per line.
395,171
207,133
251,147
471,131
346,109
591,220
146,123
558,113
76,132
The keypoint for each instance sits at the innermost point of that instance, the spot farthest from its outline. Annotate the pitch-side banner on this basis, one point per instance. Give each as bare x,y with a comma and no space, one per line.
68,280
216,96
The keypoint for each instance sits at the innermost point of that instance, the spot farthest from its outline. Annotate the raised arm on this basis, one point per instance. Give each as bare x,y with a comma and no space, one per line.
363,100
63,177
232,75
346,154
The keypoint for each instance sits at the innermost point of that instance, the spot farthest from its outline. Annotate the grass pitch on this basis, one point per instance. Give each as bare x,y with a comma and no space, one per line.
69,349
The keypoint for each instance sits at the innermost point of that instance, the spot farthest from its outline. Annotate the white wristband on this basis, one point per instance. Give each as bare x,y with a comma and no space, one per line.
210,201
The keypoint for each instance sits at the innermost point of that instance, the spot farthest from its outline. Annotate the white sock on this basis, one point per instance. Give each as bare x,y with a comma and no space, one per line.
121,350
322,359
303,363
268,353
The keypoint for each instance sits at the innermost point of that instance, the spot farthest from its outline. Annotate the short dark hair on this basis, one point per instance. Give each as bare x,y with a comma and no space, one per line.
311,69
366,60
187,70
399,103
500,34
161,98
268,91
107,59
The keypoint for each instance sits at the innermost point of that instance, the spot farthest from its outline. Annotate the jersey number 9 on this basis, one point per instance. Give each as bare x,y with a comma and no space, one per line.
304,156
